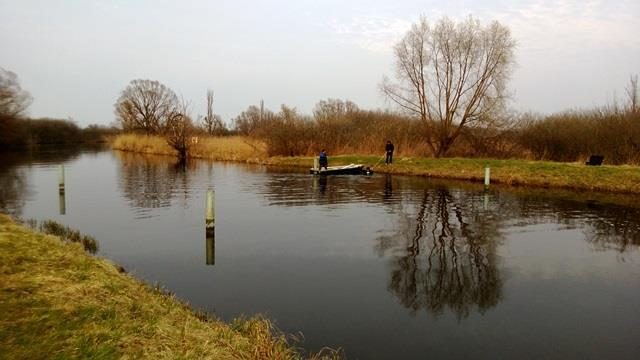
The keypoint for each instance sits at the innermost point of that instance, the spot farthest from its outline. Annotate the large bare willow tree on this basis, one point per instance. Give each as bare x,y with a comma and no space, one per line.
146,106
149,106
452,75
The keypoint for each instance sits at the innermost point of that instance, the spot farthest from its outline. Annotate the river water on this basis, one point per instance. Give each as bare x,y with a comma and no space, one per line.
384,267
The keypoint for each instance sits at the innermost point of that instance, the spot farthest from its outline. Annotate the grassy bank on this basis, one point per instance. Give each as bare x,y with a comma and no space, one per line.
56,301
577,176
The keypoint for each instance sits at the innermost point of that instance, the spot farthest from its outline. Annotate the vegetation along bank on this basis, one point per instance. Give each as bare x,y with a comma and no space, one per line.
577,176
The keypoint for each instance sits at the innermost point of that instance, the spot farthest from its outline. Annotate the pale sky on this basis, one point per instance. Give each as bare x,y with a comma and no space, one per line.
75,56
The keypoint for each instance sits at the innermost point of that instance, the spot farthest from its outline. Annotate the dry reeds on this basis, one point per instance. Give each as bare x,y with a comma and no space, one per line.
145,144
575,135
225,148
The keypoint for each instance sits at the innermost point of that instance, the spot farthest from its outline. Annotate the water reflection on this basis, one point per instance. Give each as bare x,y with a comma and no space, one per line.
13,189
210,241
443,244
388,187
605,225
614,227
297,189
15,186
62,202
150,182
444,255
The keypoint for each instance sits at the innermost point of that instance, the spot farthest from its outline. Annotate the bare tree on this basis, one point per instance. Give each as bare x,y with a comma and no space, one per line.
333,108
13,99
145,105
178,129
252,119
212,123
632,94
452,76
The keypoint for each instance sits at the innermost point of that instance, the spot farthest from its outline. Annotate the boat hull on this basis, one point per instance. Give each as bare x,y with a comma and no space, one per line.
352,169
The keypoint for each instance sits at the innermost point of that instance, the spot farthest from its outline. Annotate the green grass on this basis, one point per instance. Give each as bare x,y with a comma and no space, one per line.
58,302
606,178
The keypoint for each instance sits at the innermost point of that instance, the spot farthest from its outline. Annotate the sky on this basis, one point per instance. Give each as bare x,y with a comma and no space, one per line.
76,56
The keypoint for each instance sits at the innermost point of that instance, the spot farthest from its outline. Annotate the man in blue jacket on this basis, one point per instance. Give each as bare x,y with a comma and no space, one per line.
324,160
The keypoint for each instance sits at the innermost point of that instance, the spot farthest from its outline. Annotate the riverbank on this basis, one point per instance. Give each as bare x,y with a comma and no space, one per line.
57,301
623,179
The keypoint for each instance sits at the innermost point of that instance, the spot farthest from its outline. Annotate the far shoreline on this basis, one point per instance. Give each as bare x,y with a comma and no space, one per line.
614,179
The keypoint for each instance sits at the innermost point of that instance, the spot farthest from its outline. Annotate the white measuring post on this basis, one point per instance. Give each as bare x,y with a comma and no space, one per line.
316,164
487,177
61,178
210,214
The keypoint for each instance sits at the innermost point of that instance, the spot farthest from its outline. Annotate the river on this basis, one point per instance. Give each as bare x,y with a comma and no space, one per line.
384,267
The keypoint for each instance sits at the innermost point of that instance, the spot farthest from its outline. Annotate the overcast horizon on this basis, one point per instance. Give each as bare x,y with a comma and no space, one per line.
75,57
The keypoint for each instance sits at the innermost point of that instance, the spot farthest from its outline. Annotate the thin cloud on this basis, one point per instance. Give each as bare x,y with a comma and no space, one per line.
372,33
570,25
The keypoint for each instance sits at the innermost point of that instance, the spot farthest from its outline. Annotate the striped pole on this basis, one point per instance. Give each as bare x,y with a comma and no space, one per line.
210,215
61,178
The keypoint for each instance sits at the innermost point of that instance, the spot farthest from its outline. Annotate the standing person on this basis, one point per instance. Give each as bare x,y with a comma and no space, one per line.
324,160
389,149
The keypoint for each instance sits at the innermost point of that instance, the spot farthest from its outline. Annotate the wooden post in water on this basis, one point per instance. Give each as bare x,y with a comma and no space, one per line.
210,215
210,228
487,176
316,164
61,195
61,178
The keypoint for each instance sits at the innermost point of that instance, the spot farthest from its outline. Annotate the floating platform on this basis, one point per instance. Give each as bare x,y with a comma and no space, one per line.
351,169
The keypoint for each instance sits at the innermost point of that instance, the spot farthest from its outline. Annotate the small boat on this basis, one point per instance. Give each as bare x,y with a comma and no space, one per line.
351,169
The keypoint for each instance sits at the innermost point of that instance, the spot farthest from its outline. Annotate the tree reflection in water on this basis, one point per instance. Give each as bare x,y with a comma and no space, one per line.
615,227
13,190
445,255
154,181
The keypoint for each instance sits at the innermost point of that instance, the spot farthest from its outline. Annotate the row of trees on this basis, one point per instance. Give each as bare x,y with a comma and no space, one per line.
19,131
449,85
451,76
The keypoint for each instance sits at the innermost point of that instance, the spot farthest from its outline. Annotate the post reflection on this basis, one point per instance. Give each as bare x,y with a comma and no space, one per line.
445,256
388,187
62,202
210,235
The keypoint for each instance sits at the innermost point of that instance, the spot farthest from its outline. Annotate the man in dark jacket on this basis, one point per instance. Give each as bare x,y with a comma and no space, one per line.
389,149
324,160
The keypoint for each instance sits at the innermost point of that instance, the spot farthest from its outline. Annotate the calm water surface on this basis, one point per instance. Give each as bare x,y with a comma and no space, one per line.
386,267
